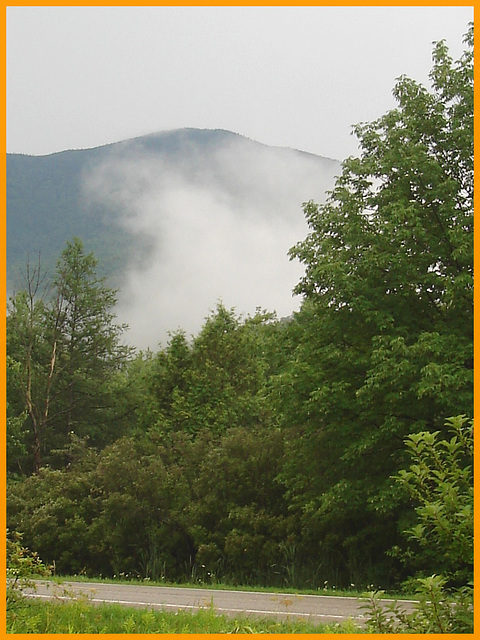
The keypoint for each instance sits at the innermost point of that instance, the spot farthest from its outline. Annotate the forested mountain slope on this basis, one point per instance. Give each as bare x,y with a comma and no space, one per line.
52,198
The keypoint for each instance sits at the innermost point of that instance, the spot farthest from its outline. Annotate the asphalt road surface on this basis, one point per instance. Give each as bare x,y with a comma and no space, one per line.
328,609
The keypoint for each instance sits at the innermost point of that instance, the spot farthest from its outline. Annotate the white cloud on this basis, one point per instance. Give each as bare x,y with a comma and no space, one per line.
222,223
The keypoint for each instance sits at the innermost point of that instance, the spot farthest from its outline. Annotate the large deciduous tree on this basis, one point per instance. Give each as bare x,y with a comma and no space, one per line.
387,320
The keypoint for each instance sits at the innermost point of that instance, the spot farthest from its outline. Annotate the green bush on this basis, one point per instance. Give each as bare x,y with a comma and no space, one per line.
23,566
437,611
440,483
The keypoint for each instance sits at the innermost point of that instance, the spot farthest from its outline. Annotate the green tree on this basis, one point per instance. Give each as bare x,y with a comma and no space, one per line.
16,428
114,512
144,490
390,257
29,383
386,329
237,515
67,347
54,510
214,382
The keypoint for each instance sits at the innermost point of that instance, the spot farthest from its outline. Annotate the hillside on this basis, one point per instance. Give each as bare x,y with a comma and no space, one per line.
46,206
179,196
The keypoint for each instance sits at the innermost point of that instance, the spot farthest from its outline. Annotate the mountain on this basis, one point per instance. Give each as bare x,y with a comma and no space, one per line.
195,203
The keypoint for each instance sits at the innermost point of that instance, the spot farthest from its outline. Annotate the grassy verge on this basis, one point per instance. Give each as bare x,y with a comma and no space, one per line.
82,617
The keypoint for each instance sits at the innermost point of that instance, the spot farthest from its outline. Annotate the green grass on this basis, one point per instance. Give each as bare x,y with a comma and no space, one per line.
80,617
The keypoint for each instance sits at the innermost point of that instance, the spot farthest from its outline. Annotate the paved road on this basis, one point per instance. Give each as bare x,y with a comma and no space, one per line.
315,608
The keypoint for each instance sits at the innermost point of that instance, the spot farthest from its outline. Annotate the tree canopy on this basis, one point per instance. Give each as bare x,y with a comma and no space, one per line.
267,451
63,345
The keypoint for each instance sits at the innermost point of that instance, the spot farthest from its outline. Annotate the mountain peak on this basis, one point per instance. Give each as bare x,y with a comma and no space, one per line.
179,218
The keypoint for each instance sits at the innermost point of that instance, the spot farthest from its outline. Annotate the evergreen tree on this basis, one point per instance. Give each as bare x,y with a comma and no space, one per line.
66,347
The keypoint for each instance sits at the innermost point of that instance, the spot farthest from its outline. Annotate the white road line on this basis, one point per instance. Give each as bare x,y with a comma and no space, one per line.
213,591
197,607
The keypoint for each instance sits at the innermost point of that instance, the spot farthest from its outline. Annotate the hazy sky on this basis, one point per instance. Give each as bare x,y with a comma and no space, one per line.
289,76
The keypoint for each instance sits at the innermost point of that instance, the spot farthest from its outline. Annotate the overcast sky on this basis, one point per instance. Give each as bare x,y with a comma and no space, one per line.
81,77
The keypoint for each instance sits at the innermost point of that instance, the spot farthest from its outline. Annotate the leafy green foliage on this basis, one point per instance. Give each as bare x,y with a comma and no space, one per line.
162,507
439,481
63,347
238,516
436,611
22,567
214,383
385,334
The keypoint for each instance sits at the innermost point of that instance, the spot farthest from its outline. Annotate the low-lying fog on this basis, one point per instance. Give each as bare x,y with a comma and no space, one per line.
219,226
